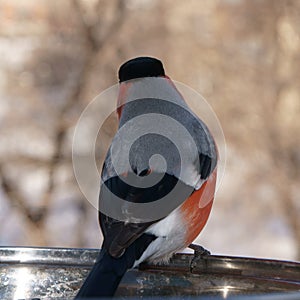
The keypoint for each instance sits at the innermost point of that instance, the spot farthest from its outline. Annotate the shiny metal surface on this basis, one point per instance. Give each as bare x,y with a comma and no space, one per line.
57,273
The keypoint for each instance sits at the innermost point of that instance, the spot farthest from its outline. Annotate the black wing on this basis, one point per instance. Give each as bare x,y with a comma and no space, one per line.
118,235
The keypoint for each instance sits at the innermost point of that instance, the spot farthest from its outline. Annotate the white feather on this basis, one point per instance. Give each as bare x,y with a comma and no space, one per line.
170,234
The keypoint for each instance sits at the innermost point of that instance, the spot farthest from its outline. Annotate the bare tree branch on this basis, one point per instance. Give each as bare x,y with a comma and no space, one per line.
17,201
94,45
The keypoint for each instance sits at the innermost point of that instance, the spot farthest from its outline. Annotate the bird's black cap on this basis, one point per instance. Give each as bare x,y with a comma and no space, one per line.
141,67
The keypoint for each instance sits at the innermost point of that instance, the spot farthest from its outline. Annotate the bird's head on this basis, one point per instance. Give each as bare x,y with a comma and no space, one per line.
139,67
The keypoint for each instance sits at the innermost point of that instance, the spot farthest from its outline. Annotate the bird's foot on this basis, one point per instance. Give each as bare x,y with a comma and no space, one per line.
199,254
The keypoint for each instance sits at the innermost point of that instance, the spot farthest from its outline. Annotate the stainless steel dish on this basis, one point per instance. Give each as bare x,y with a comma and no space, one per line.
57,273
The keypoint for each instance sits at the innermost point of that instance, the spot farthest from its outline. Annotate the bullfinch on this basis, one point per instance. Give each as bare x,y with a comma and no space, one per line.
158,179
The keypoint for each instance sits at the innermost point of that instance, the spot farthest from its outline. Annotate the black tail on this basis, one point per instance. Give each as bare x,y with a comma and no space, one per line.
106,274
104,277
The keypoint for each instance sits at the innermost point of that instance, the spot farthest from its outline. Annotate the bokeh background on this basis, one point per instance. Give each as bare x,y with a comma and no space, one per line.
242,56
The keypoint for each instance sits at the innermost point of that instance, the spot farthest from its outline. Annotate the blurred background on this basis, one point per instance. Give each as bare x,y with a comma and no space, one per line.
242,56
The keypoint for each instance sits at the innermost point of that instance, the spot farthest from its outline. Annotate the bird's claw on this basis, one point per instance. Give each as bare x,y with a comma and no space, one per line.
199,254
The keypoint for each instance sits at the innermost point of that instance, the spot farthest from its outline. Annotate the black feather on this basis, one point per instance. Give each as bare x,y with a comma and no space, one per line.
119,235
141,67
108,271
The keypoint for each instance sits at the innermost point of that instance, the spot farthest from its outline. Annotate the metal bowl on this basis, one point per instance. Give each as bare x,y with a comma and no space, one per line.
57,273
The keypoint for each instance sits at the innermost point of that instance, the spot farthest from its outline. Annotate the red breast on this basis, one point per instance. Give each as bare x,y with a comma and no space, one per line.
197,207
